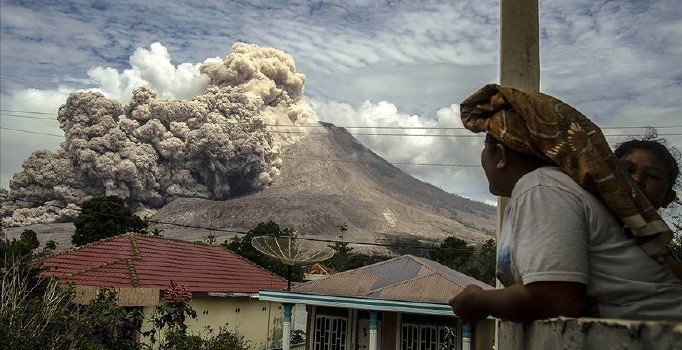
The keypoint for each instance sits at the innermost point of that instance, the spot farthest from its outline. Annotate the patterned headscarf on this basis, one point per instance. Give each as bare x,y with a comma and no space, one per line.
538,124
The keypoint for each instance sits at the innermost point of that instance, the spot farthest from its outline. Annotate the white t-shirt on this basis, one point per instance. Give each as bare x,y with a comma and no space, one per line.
554,230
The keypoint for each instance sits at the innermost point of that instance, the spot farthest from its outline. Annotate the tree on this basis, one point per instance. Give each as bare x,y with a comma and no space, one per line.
103,217
476,261
242,247
453,253
31,238
483,262
21,251
344,260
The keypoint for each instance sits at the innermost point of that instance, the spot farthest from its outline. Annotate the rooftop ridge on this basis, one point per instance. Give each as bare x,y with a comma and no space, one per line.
137,260
132,272
136,248
420,261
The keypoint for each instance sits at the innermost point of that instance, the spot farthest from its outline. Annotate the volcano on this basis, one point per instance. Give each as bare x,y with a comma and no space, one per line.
330,179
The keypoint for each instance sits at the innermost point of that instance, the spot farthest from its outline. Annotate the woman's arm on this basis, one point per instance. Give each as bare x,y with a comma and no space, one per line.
520,303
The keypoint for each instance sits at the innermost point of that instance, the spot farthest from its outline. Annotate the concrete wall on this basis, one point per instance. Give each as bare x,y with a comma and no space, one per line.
258,321
588,333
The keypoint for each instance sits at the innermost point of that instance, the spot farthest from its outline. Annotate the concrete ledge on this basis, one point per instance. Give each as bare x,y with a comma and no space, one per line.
590,333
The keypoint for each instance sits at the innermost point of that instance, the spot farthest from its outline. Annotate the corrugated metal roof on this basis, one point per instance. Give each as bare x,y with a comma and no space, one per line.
133,260
405,278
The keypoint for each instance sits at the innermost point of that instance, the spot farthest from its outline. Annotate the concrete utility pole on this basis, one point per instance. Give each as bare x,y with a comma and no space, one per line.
519,68
519,57
519,44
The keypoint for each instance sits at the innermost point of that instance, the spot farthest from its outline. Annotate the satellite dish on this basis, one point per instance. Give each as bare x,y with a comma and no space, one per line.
291,251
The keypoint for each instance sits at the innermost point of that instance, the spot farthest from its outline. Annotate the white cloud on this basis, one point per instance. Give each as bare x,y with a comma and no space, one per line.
149,67
616,61
466,181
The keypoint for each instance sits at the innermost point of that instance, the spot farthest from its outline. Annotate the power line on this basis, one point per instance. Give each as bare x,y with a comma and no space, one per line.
30,132
358,134
380,162
26,116
33,112
240,232
355,127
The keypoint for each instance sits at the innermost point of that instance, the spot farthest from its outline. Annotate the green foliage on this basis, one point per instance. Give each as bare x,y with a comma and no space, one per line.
31,239
15,251
22,251
409,245
344,259
242,247
103,217
108,325
37,313
454,253
169,322
475,261
226,340
33,312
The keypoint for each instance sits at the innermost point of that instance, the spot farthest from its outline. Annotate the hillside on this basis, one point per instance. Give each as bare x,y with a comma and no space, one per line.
331,179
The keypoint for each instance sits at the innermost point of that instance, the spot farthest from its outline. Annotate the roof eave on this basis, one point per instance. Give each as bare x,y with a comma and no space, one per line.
356,303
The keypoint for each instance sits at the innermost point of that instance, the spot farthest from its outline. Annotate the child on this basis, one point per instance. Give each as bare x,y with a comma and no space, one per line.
655,170
653,167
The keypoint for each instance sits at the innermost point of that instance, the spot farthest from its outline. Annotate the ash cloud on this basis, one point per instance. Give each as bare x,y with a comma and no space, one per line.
152,150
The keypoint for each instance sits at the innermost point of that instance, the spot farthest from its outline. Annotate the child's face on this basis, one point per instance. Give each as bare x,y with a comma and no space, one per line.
650,175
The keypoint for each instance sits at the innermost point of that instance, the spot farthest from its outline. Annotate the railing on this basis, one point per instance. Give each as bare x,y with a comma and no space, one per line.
590,333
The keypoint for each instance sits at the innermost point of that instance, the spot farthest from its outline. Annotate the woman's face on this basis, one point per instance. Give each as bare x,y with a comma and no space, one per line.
650,175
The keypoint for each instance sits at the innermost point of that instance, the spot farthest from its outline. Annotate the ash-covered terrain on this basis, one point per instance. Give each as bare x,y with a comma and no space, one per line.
329,179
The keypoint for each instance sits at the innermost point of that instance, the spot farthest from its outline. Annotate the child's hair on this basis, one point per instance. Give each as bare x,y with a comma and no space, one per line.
651,142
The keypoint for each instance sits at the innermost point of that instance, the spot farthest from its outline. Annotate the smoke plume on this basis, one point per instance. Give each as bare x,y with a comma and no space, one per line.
152,150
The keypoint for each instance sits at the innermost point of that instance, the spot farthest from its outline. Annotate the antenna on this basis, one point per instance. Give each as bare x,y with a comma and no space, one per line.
291,251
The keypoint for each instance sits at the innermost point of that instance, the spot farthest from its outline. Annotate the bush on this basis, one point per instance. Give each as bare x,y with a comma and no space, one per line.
38,314
169,325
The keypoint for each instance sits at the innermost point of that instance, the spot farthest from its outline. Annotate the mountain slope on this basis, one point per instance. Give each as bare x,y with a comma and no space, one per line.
332,179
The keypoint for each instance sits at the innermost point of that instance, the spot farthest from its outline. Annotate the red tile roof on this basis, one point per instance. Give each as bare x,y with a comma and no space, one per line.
134,260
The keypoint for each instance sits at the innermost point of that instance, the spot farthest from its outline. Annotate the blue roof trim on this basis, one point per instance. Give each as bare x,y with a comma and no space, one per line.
356,303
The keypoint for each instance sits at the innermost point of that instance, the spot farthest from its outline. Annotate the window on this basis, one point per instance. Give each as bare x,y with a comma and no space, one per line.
427,337
330,332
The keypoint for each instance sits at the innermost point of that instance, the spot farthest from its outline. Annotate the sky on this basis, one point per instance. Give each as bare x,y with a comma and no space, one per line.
367,63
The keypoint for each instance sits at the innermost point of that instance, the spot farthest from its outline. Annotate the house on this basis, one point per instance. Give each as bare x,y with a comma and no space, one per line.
401,303
224,286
